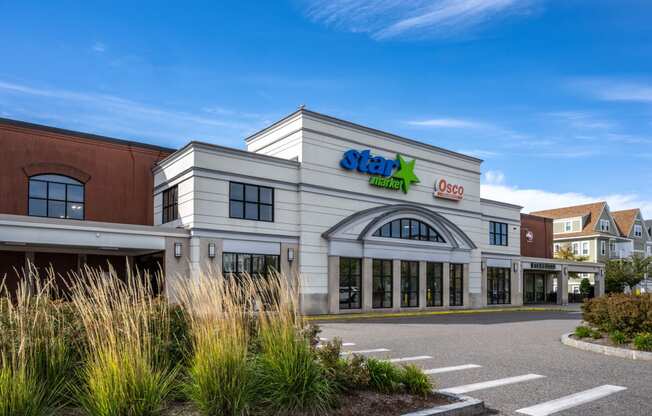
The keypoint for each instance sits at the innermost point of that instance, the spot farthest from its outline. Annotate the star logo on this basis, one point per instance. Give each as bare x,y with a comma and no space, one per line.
406,172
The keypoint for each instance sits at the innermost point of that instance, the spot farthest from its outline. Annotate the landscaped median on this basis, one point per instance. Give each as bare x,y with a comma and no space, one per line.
226,346
618,325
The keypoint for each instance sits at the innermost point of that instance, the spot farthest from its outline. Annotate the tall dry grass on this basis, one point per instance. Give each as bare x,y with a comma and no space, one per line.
36,355
126,371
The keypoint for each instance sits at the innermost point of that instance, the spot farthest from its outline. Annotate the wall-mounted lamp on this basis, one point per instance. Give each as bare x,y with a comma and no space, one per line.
515,266
483,265
177,249
565,270
290,254
211,250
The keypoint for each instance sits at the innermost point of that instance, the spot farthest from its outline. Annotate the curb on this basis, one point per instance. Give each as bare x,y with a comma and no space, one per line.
464,406
372,315
605,349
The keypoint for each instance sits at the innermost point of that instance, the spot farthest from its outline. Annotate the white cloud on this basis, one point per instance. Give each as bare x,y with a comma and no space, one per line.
616,89
394,18
99,47
582,119
454,123
493,186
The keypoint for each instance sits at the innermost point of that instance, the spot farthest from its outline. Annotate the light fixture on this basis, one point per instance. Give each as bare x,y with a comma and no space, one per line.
483,265
177,249
211,250
290,254
515,267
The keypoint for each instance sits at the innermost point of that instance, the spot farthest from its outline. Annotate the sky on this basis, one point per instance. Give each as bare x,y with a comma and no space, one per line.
555,96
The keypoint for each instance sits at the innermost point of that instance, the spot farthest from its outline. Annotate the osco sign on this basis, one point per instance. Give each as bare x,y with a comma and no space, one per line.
444,189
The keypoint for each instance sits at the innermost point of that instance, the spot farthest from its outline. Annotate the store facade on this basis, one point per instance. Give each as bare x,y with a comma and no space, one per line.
368,220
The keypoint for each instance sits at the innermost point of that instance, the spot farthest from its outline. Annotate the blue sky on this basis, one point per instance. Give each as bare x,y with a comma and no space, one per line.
555,96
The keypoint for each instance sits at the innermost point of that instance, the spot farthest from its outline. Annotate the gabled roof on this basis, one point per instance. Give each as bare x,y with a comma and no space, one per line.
625,220
591,211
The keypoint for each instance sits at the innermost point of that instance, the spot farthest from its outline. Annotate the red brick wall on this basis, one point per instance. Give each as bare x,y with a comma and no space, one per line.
118,176
541,231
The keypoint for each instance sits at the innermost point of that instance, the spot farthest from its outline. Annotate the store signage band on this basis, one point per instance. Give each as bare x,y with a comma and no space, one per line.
447,190
385,173
543,266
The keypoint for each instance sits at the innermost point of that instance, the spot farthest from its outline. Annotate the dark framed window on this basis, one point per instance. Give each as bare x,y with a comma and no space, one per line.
170,204
497,233
498,286
56,196
434,284
256,265
350,279
251,202
409,284
409,229
456,297
383,281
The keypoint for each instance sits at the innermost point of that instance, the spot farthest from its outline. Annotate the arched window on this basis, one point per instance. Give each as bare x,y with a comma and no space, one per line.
409,229
56,196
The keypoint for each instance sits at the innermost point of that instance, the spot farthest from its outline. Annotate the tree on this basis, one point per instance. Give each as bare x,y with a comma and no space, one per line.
628,272
585,287
640,268
566,253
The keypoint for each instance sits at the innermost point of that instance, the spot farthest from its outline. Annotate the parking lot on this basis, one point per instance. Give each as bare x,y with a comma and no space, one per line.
512,360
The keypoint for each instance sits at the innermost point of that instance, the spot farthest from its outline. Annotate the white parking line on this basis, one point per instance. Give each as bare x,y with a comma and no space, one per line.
417,358
364,351
348,344
489,384
453,368
567,402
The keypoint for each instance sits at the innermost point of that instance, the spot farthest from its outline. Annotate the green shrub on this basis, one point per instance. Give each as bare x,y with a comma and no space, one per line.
583,332
595,334
345,374
617,337
384,376
21,394
628,313
643,341
415,381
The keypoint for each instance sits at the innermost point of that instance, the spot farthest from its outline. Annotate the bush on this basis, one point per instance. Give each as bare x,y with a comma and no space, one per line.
583,332
415,381
384,376
345,374
630,314
643,341
617,337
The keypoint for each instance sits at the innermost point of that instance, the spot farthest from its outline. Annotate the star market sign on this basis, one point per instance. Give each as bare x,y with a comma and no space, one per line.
385,173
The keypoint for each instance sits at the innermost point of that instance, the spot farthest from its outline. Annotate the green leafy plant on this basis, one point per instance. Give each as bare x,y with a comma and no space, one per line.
583,332
415,381
628,313
384,376
643,341
595,334
618,337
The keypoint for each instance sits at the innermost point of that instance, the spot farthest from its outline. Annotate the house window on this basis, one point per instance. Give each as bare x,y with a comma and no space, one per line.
251,202
603,248
498,286
497,233
456,297
638,230
409,284
434,284
557,247
254,265
576,248
568,226
409,229
56,196
383,277
612,246
585,248
170,204
350,283
604,225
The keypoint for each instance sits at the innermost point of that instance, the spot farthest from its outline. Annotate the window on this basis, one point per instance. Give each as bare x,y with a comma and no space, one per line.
251,202
585,248
568,226
251,264
56,196
350,288
383,277
603,248
576,248
456,285
170,204
557,247
604,225
409,229
434,279
497,233
498,286
638,230
409,284
612,246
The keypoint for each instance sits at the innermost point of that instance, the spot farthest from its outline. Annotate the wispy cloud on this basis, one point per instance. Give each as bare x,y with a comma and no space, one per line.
110,114
615,89
494,186
99,47
398,18
454,123
582,119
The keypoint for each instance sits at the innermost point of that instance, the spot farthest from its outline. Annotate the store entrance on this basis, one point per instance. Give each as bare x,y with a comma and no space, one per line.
540,287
